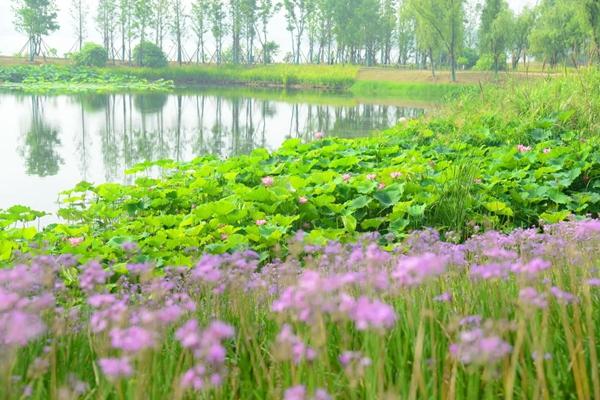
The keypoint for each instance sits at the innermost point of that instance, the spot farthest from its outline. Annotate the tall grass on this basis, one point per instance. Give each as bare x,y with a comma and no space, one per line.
418,91
501,316
518,109
319,76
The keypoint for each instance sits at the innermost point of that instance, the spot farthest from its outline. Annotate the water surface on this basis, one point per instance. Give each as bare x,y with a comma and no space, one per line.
50,143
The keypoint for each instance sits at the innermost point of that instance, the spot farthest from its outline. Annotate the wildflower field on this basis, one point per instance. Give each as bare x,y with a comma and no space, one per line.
451,257
500,315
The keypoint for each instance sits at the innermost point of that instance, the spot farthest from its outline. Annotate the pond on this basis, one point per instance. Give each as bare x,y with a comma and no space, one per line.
50,143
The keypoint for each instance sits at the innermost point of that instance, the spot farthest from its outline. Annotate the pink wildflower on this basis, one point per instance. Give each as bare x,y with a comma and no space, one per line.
115,368
74,241
268,181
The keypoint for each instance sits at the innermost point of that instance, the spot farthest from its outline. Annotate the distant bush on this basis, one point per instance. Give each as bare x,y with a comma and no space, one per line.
468,58
148,54
91,55
486,63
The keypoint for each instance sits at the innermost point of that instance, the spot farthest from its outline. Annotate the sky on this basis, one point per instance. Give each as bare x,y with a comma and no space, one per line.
64,41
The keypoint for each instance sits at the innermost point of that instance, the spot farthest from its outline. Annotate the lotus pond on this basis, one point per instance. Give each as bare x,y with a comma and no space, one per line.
52,142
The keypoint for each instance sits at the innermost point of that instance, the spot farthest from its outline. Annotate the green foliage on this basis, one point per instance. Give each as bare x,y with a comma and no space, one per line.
36,18
91,55
452,174
560,33
147,54
415,91
487,63
52,78
316,76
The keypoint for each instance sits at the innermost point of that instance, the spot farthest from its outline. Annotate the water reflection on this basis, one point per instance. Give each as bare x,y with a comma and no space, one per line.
97,137
40,145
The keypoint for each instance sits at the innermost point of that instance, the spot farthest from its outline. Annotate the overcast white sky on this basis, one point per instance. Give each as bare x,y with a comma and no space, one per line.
64,39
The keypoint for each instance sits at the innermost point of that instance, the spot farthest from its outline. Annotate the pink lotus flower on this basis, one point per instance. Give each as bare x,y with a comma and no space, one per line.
268,181
302,200
74,241
260,222
396,174
371,177
523,149
546,150
346,177
381,186
319,135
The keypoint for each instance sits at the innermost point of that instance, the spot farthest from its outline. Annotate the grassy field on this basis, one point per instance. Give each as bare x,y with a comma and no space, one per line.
327,76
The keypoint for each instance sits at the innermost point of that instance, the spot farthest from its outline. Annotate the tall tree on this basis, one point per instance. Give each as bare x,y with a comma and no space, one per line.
126,28
218,26
249,19
428,42
178,27
445,19
495,30
405,32
522,26
235,9
592,15
161,19
388,25
106,20
266,10
142,18
79,11
199,18
489,12
36,19
297,13
560,32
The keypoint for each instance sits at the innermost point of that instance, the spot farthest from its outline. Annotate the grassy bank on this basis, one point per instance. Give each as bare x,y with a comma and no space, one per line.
408,90
307,76
314,77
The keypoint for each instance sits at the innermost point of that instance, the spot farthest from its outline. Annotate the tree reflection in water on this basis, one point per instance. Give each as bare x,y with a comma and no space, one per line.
125,129
40,147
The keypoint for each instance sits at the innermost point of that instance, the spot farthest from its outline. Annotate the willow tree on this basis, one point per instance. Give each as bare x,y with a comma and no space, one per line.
560,33
445,20
36,19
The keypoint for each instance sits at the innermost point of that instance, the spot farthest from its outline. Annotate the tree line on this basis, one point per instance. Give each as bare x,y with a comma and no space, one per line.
485,34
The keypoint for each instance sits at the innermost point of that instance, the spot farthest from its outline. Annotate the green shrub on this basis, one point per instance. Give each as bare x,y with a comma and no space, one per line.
486,63
91,55
148,54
